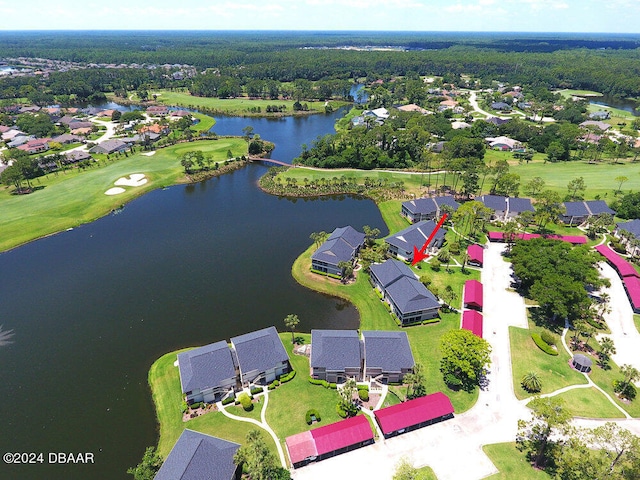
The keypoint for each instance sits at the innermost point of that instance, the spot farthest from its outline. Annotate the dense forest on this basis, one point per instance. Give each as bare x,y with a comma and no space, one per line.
609,64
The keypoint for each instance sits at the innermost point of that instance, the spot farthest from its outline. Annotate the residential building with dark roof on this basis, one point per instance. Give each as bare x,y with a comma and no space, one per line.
387,356
427,208
76,156
580,212
329,441
501,106
336,355
197,456
414,414
342,245
207,373
261,356
409,299
517,205
401,244
627,232
110,146
496,203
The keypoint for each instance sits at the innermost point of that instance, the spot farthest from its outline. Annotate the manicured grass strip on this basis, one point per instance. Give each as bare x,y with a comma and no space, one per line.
512,463
288,403
75,197
205,123
554,371
390,211
589,403
164,380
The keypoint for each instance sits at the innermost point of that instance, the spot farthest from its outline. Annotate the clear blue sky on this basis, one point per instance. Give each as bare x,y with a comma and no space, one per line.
607,16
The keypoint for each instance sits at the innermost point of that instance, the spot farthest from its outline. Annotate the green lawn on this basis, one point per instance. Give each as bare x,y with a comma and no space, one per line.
569,93
76,196
234,106
554,371
390,211
205,123
426,473
237,410
589,403
164,380
512,463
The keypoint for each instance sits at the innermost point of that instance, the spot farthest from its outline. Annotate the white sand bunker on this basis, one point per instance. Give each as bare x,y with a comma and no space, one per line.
134,180
149,154
114,191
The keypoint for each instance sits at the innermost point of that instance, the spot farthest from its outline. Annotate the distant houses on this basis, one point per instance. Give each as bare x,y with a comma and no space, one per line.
504,208
580,212
343,245
503,143
110,146
401,244
409,300
427,208
199,456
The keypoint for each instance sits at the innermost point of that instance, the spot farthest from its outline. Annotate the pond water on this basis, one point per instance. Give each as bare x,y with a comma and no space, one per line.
616,102
94,307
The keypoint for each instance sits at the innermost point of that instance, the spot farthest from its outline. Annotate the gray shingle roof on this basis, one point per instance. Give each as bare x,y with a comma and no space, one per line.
599,206
205,367
197,456
387,350
415,235
447,200
494,202
518,205
389,271
260,350
335,349
632,227
575,209
410,295
340,246
421,206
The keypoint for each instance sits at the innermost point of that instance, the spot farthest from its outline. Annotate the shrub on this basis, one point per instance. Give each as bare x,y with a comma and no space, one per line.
315,381
454,248
595,324
363,387
228,400
340,411
255,390
332,386
310,413
452,381
272,386
531,383
627,391
245,401
196,405
288,377
435,265
363,395
276,383
548,337
426,279
542,345
184,407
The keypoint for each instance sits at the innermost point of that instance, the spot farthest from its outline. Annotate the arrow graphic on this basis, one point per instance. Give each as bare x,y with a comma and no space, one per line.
419,255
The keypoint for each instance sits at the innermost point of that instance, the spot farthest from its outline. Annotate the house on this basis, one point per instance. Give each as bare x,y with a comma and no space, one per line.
67,138
412,107
476,255
11,134
207,373
413,414
336,355
76,125
82,130
155,128
197,456
503,143
110,146
580,212
516,205
157,110
402,243
343,245
377,113
632,228
496,203
19,140
501,106
408,299
36,145
472,321
427,208
472,297
599,115
457,125
497,121
261,356
329,441
387,356
595,123
76,156
105,113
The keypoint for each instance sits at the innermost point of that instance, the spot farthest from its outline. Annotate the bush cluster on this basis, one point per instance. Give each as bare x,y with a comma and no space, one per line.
324,383
228,400
255,390
310,413
245,401
549,337
341,411
542,345
288,377
363,395
452,381
196,405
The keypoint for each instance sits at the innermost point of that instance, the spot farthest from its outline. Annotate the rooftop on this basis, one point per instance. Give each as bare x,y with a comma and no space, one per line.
205,367
259,350
335,349
413,412
389,350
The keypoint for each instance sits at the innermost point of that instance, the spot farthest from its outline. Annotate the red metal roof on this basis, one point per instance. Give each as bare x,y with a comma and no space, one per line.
301,446
342,434
472,321
413,412
624,268
632,286
476,253
473,293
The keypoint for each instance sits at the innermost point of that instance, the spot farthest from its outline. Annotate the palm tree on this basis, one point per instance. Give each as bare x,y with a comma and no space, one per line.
607,348
291,321
531,382
630,373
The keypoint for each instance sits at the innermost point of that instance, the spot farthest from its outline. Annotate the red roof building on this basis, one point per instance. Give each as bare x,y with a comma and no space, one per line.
624,268
472,321
476,255
472,297
414,414
330,440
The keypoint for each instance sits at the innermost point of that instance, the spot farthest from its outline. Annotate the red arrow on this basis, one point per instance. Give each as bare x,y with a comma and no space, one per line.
419,255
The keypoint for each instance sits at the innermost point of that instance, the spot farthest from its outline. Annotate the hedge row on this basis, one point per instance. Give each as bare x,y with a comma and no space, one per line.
255,390
326,274
289,376
542,345
195,405
549,337
324,383
312,412
274,384
228,400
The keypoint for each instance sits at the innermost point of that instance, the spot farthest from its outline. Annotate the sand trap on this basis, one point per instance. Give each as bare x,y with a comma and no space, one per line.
114,191
149,154
134,180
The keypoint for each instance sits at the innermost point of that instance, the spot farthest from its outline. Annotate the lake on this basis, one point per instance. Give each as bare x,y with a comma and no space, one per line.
94,307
